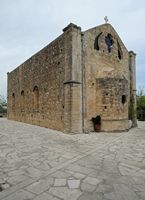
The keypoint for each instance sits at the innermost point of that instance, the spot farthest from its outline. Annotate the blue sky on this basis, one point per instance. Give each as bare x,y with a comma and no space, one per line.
26,26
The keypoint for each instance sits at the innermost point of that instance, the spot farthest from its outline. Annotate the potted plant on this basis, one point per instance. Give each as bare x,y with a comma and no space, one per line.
97,123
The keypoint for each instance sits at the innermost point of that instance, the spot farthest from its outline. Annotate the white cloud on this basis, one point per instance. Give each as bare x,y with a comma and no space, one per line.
27,26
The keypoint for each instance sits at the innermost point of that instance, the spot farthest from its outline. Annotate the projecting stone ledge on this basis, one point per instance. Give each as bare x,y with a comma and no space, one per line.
71,25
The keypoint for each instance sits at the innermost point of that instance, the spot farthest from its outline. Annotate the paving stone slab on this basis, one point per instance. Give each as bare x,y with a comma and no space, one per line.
73,184
91,196
59,182
40,185
45,196
65,193
108,166
85,187
92,181
20,195
79,175
122,192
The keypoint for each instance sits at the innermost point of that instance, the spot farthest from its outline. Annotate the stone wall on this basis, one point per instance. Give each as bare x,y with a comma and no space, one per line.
36,90
46,90
106,79
76,77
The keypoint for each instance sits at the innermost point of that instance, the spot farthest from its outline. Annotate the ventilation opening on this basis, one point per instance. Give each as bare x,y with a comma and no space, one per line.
13,102
22,100
120,54
123,99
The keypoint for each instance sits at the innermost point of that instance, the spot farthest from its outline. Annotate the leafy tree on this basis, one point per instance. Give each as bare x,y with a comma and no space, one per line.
141,103
3,105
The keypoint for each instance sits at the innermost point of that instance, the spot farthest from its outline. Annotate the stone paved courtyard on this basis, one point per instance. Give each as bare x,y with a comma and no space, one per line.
42,164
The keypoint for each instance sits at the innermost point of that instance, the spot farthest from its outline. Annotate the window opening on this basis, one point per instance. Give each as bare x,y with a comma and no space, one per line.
22,100
36,98
13,102
123,99
109,42
96,44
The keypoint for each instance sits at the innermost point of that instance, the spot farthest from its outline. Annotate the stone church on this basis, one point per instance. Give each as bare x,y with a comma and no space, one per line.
77,76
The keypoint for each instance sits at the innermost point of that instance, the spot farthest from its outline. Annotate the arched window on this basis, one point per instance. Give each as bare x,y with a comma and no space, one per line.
13,102
96,43
22,101
36,98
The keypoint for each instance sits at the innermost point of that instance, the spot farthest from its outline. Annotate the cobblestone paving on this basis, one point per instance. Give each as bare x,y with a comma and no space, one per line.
41,164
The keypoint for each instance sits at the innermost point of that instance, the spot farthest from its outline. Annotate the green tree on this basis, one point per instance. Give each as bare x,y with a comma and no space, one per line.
141,103
3,104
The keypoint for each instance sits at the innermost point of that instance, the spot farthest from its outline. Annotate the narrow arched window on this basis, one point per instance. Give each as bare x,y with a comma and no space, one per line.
96,43
22,101
13,102
36,98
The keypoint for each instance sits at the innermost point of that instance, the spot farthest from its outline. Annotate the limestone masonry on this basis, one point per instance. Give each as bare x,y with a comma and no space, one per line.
76,77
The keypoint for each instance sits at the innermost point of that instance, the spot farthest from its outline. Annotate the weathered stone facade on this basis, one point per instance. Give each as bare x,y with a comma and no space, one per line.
76,77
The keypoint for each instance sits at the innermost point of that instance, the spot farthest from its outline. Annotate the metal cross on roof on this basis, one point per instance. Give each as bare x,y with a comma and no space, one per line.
106,19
